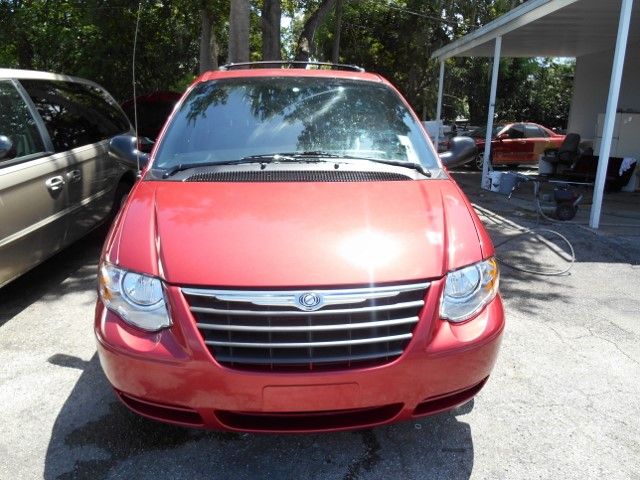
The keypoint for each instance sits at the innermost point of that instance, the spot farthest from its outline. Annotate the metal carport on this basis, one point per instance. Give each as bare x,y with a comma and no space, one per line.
555,28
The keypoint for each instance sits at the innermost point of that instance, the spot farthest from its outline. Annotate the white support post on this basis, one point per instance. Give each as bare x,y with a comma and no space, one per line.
610,114
492,109
439,107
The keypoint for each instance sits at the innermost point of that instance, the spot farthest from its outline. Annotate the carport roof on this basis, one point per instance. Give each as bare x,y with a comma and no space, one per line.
547,28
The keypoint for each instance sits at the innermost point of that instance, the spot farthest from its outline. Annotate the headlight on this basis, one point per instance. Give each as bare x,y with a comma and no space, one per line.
137,299
468,290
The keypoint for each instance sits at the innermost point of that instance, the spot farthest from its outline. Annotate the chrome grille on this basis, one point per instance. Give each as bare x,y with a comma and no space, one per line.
272,330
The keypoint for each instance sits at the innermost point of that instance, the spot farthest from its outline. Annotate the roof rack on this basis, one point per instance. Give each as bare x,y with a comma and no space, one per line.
292,64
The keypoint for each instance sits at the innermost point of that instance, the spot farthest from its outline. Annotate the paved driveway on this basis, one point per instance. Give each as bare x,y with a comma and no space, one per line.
564,400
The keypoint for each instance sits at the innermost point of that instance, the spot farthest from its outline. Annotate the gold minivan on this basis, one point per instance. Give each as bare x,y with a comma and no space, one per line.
57,179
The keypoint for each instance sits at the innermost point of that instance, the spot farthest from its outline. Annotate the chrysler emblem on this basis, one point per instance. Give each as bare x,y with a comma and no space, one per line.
309,301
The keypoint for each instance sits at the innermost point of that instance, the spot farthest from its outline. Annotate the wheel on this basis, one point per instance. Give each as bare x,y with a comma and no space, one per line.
566,211
478,161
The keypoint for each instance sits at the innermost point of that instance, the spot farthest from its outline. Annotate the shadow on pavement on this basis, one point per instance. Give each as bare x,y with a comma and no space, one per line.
94,436
72,269
590,246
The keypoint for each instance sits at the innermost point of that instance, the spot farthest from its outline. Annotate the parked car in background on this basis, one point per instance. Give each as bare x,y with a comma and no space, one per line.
516,143
57,181
295,258
153,111
435,128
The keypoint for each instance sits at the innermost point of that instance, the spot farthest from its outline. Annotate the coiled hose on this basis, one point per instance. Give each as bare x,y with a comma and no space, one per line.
535,232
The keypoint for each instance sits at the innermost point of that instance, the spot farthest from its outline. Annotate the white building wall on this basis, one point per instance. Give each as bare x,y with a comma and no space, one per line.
591,88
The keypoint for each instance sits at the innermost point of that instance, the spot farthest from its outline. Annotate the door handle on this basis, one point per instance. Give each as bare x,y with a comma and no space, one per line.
55,183
74,176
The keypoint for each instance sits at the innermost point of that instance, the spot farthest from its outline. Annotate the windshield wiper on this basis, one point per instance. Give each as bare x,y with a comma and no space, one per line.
170,171
396,163
313,156
319,155
307,156
265,158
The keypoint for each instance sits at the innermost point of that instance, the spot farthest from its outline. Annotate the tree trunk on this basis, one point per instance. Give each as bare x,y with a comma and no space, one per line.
305,41
207,39
271,13
214,50
25,52
335,51
239,31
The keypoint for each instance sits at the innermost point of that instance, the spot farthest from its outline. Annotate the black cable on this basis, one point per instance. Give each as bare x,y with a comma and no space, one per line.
530,231
536,231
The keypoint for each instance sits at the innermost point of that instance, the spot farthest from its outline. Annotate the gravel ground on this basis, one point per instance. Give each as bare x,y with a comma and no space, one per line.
563,402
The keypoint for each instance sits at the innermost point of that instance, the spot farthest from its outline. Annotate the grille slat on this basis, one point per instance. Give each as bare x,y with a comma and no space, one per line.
294,313
327,359
310,344
297,176
271,329
307,328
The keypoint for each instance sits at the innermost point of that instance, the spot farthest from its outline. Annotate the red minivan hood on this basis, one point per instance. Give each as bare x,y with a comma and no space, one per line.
295,234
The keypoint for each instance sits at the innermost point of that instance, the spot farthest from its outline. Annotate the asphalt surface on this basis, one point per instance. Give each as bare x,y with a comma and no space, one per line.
563,402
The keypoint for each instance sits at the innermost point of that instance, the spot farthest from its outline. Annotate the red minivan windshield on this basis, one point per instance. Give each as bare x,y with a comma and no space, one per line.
232,119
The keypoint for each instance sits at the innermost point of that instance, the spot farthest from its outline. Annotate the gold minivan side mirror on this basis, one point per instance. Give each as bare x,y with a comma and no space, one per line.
5,146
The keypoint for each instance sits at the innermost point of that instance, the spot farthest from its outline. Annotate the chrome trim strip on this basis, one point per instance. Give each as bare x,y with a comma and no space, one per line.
288,298
312,328
53,158
293,313
338,343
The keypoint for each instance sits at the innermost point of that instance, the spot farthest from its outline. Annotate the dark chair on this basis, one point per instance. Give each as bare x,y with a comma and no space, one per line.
585,169
567,155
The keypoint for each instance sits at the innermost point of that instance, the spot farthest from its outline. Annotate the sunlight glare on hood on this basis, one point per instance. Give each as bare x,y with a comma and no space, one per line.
369,249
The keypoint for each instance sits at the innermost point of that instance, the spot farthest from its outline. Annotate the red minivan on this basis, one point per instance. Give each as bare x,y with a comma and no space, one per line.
295,258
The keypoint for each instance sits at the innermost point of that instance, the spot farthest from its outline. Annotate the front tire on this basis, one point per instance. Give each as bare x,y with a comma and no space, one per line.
479,160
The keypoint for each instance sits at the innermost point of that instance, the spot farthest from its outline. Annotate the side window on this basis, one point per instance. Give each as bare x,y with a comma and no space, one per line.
517,131
533,131
75,114
17,124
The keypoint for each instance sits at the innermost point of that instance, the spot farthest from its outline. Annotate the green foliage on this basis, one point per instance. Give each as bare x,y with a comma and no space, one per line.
94,39
391,42
551,99
397,38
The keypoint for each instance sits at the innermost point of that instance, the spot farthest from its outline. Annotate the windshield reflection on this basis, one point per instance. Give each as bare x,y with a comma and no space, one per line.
235,118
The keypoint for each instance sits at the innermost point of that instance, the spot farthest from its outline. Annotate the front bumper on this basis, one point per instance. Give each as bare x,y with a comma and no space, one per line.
171,376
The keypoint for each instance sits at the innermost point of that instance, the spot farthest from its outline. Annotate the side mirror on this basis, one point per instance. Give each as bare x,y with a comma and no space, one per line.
5,146
145,144
463,150
502,136
124,148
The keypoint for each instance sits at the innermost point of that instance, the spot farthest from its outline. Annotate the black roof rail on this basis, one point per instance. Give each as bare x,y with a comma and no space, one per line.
292,64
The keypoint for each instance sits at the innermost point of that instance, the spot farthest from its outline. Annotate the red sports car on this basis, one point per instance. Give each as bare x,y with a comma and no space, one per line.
516,143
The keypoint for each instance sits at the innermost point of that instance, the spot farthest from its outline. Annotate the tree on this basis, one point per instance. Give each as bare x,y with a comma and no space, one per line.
94,39
208,42
335,51
397,40
239,31
270,26
306,40
179,38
